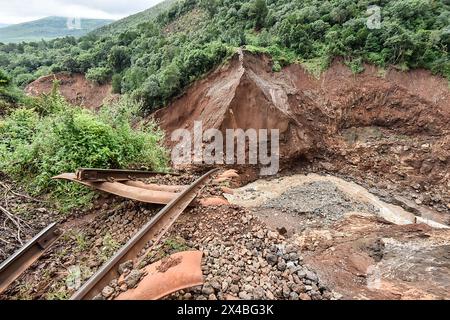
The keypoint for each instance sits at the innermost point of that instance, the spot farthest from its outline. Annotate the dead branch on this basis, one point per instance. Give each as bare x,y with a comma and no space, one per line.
12,218
5,241
8,189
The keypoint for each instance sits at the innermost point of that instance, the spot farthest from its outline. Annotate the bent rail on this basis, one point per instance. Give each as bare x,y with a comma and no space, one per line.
152,231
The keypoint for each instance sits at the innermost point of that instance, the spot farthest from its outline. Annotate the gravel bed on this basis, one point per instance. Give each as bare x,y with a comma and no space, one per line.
317,200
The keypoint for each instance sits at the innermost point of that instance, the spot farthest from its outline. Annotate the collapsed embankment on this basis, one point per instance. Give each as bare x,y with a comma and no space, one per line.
74,87
392,126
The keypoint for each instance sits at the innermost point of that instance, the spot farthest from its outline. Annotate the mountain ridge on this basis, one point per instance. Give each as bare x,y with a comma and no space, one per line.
48,28
132,21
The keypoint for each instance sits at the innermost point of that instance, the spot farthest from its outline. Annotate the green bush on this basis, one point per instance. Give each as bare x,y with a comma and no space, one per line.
17,130
22,80
356,65
10,95
4,78
116,83
36,145
99,75
119,58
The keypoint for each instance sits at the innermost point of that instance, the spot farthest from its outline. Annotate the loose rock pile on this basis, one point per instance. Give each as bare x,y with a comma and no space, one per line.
317,200
85,246
245,260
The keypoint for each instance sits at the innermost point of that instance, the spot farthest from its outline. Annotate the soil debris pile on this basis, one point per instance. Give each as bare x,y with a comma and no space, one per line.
368,124
75,88
365,258
317,200
344,234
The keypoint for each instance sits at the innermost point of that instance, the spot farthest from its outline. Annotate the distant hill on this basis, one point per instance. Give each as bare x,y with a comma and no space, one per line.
134,20
2,25
48,28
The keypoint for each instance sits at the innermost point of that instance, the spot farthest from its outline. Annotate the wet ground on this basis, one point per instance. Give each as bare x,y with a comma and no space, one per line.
361,246
298,237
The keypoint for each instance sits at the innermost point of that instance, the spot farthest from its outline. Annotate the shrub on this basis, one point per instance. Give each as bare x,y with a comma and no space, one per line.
35,147
99,75
119,58
356,65
116,83
9,94
22,80
4,79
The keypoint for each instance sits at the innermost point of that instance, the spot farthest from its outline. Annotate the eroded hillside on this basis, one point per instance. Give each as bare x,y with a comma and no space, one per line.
75,88
367,124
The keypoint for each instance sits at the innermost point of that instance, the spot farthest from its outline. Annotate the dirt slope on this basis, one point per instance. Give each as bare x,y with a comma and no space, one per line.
393,126
75,88
246,94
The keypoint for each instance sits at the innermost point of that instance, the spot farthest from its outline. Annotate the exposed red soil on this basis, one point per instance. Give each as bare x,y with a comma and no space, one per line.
246,94
368,258
168,263
393,126
75,88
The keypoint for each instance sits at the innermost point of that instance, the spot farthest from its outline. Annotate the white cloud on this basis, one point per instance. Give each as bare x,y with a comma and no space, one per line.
16,11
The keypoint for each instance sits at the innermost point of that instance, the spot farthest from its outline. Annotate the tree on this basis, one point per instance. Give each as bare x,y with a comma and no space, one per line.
70,64
258,12
85,61
195,63
119,58
210,5
22,80
133,78
99,75
170,80
116,83
4,79
149,94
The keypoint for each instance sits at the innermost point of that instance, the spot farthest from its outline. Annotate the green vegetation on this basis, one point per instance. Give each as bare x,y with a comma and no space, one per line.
9,94
167,248
81,241
59,294
175,245
133,21
48,136
110,246
48,28
154,55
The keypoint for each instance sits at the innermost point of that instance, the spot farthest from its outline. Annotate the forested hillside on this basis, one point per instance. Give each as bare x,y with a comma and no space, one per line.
155,60
134,20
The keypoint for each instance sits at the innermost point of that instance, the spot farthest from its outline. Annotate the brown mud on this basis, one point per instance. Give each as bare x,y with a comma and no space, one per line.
75,88
389,127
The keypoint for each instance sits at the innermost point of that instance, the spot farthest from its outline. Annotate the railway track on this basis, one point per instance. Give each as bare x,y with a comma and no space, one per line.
20,261
152,232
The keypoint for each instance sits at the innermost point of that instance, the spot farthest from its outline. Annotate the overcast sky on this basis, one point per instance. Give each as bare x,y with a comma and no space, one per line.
17,11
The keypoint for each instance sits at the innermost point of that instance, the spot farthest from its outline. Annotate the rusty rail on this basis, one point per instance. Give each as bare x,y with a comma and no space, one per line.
123,183
20,261
125,190
152,231
103,175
